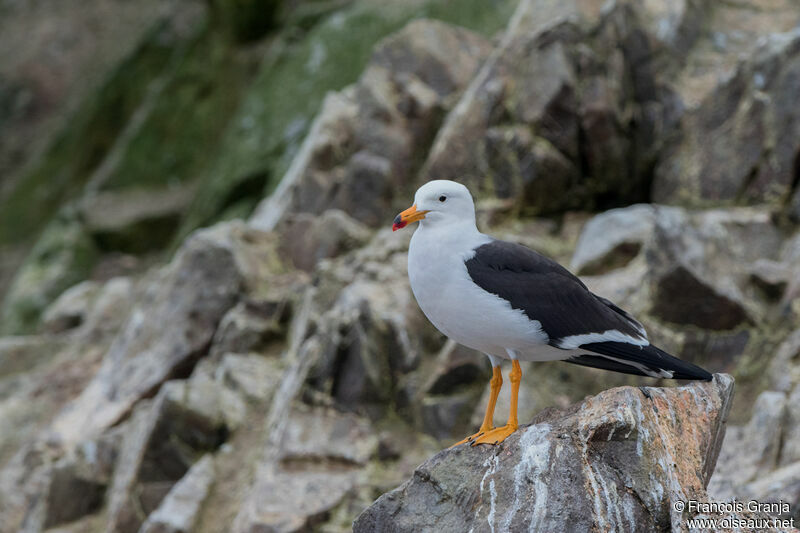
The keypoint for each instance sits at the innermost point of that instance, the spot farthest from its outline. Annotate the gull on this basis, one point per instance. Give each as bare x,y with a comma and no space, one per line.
511,302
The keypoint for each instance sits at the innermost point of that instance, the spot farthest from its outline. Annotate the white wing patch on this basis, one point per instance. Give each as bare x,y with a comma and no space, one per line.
653,373
572,342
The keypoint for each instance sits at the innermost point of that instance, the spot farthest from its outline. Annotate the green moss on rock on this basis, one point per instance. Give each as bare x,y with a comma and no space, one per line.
186,118
63,256
294,76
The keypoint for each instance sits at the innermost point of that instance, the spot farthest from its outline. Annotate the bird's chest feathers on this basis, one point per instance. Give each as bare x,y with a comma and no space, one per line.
439,276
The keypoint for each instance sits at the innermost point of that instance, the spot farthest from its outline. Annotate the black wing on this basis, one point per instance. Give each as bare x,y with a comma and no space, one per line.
639,360
547,292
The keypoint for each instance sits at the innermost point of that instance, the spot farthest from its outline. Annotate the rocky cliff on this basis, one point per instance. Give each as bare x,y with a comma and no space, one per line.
208,324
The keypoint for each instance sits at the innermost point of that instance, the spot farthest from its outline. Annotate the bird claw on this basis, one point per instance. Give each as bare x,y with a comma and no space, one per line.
495,436
471,437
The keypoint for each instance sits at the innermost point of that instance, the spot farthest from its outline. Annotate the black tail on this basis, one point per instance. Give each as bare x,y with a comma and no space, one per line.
639,360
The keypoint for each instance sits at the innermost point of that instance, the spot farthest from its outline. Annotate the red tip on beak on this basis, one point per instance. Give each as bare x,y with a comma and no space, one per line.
409,215
398,223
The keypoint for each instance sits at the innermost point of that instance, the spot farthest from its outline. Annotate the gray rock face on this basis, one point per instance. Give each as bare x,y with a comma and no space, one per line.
548,128
740,144
687,268
279,376
191,295
617,461
164,441
179,509
308,239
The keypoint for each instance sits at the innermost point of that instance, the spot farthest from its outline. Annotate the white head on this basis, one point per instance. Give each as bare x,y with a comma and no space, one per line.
439,202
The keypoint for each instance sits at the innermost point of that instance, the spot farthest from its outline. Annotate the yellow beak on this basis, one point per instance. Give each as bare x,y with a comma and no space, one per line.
406,217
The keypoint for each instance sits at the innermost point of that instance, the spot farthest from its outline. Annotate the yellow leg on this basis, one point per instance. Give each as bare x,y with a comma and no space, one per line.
498,435
496,383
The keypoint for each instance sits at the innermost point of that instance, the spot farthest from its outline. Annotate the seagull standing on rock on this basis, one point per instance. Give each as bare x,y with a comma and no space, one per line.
511,302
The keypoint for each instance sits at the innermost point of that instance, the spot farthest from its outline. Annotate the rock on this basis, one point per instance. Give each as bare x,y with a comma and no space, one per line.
612,239
71,308
34,464
761,460
684,267
320,463
77,483
751,451
110,308
307,239
781,485
251,325
794,205
771,278
374,332
790,263
324,434
544,121
59,488
452,391
638,451
784,373
253,375
739,144
39,90
162,442
191,295
22,354
134,221
729,32
790,437
367,138
179,509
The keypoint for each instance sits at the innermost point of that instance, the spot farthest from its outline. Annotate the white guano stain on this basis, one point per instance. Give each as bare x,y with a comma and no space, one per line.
533,464
491,464
597,502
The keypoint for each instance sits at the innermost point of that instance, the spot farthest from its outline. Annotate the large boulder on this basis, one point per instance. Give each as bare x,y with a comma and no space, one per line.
617,461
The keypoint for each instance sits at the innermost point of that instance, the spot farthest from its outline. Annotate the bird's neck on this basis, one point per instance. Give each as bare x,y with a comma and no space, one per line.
457,235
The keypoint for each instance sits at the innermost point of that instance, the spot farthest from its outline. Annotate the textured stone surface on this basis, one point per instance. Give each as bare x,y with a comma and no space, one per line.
544,123
616,461
171,326
294,358
686,267
178,511
368,138
740,144
308,239
165,439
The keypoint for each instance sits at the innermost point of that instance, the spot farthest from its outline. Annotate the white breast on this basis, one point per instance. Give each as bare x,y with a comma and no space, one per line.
462,310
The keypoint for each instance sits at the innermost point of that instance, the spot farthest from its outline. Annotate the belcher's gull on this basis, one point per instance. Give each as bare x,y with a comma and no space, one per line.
511,302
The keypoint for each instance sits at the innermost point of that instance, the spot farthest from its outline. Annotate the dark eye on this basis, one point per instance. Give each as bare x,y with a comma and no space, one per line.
442,198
